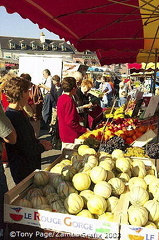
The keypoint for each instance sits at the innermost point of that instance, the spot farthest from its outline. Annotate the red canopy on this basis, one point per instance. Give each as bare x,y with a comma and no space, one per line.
92,24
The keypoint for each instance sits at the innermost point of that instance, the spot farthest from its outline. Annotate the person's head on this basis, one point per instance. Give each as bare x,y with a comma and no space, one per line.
69,85
104,79
86,85
46,73
17,90
56,80
26,76
78,76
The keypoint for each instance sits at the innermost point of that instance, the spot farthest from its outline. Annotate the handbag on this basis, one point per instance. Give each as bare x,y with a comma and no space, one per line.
95,115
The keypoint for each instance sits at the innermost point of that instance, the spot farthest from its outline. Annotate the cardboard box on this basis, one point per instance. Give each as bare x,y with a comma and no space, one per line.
57,222
144,139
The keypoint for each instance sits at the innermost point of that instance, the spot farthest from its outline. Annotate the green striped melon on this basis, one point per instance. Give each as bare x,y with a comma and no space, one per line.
67,173
38,201
41,178
48,189
57,205
52,197
65,188
24,203
34,192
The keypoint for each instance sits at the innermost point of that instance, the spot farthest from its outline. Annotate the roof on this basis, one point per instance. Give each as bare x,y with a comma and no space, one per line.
5,44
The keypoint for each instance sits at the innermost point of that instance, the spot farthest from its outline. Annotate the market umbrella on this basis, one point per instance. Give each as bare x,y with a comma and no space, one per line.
92,24
148,58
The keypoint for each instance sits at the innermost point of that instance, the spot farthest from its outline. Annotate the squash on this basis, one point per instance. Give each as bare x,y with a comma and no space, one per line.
41,178
152,207
56,180
122,164
81,149
76,157
138,163
149,178
66,162
124,177
150,225
81,181
138,196
57,205
117,153
74,203
33,192
57,168
77,165
137,215
65,188
89,151
85,213
63,210
154,184
96,204
86,194
98,174
52,197
67,173
46,207
103,189
48,189
103,154
138,171
117,185
23,203
112,203
90,161
137,182
107,165
38,201
110,175
107,216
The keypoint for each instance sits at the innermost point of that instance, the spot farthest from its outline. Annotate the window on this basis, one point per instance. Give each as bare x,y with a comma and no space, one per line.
45,47
33,45
54,46
22,45
11,44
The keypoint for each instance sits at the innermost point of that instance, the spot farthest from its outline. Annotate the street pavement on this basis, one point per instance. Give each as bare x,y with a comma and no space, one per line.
47,158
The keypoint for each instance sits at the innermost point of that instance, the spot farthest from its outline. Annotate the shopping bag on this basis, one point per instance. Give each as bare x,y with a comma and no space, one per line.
95,115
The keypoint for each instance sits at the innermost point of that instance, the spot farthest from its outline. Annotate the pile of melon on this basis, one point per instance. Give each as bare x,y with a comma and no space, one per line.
90,184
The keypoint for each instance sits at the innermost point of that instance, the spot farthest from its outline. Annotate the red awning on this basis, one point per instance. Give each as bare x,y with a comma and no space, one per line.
134,65
102,24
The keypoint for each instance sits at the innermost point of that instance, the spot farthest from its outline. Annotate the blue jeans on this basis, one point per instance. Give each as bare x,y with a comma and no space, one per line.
47,108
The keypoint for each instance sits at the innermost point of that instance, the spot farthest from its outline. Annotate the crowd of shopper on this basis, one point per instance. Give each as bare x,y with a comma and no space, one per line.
59,105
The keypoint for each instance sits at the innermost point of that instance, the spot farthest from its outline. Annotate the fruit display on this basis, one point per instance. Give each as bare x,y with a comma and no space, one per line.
95,186
113,143
126,128
153,150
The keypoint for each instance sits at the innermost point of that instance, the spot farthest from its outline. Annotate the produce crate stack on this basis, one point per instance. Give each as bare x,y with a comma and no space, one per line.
90,193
